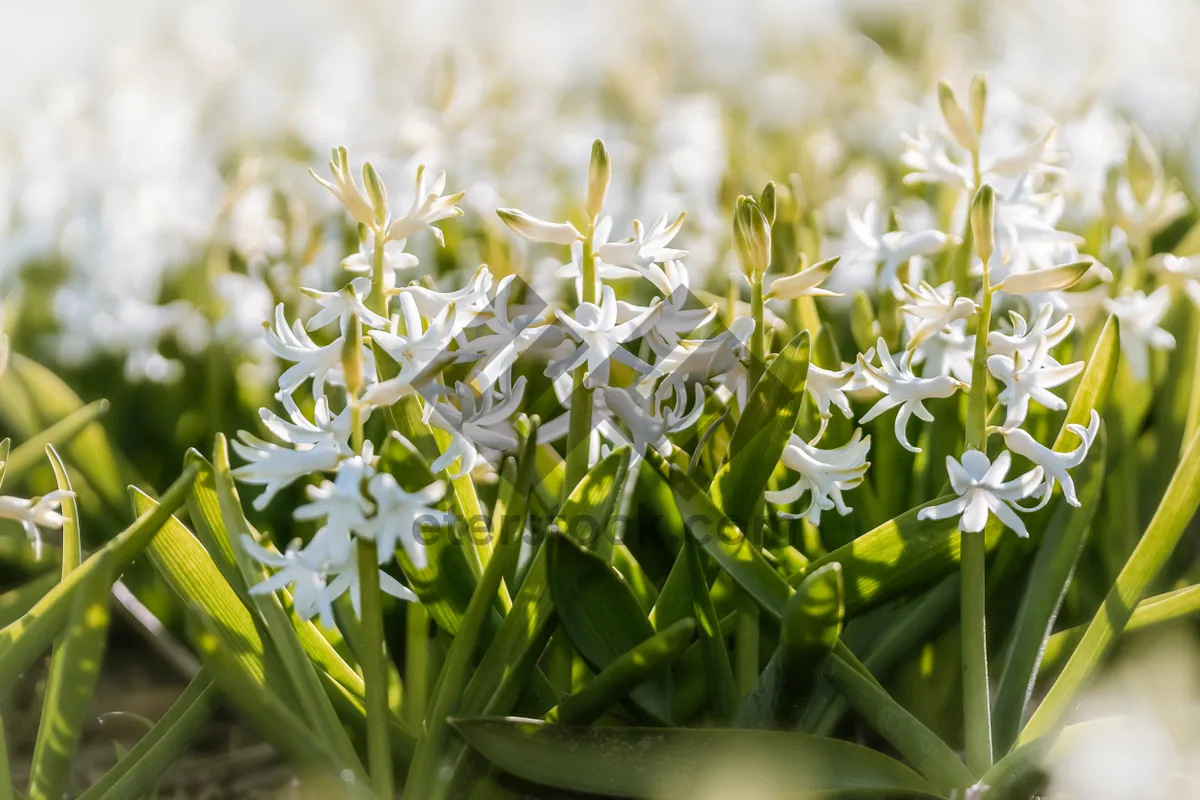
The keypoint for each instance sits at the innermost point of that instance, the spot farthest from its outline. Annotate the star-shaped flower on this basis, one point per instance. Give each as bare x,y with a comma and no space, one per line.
824,474
934,308
900,387
980,486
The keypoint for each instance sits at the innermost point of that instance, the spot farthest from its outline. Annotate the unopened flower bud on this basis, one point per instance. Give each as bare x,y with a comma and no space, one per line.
767,202
1145,170
983,215
599,175
956,118
352,363
1054,279
752,237
978,102
376,192
539,230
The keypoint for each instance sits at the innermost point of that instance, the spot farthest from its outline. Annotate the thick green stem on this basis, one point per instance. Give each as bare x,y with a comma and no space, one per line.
374,667
976,692
416,664
580,431
746,635
378,301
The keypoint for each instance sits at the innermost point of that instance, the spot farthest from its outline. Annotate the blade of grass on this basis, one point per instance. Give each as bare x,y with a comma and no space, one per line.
22,458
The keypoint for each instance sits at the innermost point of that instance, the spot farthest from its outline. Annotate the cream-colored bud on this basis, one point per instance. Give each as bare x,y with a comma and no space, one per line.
1054,279
978,102
599,175
956,119
983,220
539,230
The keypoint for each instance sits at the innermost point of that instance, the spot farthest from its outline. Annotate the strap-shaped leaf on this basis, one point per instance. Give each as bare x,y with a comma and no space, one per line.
139,769
27,638
61,433
603,619
74,670
682,762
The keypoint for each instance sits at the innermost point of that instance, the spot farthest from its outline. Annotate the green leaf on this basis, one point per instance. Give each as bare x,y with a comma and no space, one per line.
900,555
1170,521
74,670
672,762
432,748
5,448
603,619
644,662
72,545
722,686
932,757
1095,385
586,514
812,623
139,770
1059,551
762,432
16,602
24,457
24,640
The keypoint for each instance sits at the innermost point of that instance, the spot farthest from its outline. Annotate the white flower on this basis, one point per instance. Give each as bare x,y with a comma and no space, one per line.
415,351
1030,378
400,514
902,388
310,360
510,336
649,426
1053,463
979,484
600,338
1187,268
828,387
824,474
276,467
428,206
348,581
934,309
469,302
475,423
538,230
889,249
344,305
644,248
302,572
669,318
948,352
344,188
805,283
325,429
34,513
394,259
341,505
1025,338
1140,317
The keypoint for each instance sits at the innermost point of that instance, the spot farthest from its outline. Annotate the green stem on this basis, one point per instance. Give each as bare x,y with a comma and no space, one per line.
378,301
746,636
416,664
374,667
976,692
580,430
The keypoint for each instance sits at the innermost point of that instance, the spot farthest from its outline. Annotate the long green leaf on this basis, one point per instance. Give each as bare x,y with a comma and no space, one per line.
1174,514
24,640
15,602
137,772
72,544
74,670
1058,553
645,661
603,619
681,762
23,458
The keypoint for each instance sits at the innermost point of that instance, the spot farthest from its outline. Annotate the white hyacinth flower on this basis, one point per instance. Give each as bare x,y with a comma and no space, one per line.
1025,338
341,505
539,230
309,359
325,429
981,488
645,247
348,581
1141,331
415,351
824,474
276,467
1030,378
805,283
345,305
511,335
394,259
429,205
669,318
35,513
889,249
344,188
476,423
600,338
1188,269
950,351
302,573
828,387
649,426
471,303
900,387
934,308
399,516
1054,464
